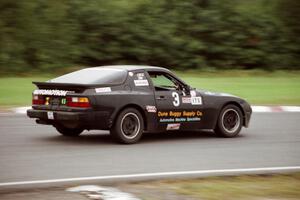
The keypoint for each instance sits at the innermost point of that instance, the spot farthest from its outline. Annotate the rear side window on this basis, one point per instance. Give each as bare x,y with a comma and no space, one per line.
93,76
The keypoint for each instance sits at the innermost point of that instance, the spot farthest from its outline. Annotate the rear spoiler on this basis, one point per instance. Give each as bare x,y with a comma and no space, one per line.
68,86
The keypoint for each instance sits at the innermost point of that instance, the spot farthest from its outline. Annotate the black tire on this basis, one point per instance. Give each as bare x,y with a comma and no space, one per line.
70,132
230,121
128,127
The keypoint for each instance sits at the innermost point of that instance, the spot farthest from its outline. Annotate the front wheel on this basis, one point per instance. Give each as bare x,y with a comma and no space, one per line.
230,122
128,127
70,132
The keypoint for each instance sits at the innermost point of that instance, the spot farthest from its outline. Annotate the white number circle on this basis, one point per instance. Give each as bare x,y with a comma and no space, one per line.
176,101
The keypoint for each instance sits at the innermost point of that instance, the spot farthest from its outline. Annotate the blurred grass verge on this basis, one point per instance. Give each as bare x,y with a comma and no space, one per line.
256,86
276,186
16,91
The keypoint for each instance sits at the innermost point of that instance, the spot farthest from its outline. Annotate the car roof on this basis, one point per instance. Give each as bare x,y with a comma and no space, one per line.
133,67
139,67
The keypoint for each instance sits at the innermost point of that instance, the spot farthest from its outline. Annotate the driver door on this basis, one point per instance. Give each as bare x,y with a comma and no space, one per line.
174,103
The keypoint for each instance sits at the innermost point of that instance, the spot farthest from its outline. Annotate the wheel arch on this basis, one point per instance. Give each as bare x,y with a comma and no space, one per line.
139,108
236,104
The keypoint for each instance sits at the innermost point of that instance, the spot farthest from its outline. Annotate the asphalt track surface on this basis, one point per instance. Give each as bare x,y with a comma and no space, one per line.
31,152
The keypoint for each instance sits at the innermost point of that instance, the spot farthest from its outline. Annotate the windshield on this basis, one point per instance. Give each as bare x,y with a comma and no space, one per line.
93,76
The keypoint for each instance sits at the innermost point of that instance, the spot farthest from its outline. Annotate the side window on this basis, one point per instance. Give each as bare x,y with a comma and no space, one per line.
163,82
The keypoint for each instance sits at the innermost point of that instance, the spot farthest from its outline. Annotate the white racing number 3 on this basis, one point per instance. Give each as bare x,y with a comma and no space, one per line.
176,101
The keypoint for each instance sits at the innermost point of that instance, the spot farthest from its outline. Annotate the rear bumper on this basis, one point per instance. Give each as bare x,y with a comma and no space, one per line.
87,120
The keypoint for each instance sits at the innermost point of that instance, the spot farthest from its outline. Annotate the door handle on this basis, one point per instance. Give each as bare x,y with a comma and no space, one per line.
161,98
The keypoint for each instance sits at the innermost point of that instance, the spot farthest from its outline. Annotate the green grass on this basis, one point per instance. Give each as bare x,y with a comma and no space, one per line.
257,87
252,187
17,91
256,90
273,187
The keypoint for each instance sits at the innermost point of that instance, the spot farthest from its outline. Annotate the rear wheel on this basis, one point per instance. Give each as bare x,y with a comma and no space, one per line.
230,121
70,132
128,127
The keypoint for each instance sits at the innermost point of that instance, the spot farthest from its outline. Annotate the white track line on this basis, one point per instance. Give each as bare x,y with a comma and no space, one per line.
159,174
99,192
21,110
291,108
272,109
261,109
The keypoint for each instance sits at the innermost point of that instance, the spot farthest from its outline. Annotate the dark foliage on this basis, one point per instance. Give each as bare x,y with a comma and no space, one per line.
49,35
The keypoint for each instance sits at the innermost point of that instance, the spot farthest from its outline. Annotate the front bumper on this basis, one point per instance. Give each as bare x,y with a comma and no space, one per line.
247,118
85,119
248,112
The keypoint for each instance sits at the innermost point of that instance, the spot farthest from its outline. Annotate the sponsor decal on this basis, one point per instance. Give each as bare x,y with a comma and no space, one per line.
192,100
151,109
50,115
140,76
179,116
196,100
52,92
103,89
193,119
176,101
143,82
173,126
186,99
193,93
63,101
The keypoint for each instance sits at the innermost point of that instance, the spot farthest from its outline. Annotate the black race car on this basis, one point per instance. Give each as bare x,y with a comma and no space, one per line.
129,100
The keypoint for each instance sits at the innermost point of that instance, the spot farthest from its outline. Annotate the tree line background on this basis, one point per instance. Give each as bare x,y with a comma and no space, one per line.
50,35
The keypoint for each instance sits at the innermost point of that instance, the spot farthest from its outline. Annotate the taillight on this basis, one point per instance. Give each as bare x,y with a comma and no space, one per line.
38,100
81,102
